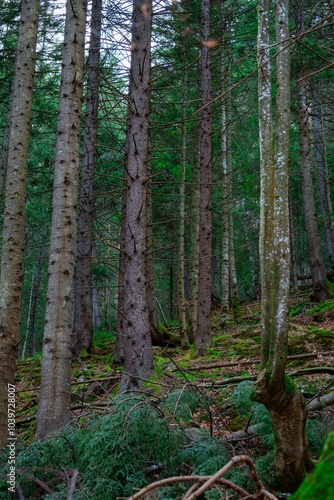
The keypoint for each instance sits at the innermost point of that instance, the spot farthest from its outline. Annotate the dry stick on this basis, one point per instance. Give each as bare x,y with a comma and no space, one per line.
226,468
73,482
180,479
254,361
41,483
295,373
91,380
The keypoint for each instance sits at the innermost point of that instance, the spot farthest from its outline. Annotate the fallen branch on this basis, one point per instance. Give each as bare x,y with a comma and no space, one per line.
322,402
73,483
208,482
295,373
181,479
253,361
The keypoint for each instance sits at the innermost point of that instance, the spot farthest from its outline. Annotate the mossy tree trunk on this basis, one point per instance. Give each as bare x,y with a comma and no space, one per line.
284,402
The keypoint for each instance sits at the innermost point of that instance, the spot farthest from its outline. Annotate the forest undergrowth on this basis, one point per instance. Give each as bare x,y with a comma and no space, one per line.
190,419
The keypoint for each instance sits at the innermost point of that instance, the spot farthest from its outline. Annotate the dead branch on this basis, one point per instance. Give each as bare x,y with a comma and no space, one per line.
180,479
209,481
211,366
311,371
73,483
320,403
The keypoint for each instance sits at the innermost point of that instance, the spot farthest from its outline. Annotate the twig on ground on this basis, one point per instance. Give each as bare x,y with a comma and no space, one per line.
209,481
73,482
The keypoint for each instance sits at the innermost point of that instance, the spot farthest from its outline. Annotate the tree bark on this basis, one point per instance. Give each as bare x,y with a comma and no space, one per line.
203,333
12,260
318,271
181,298
284,402
136,329
55,396
194,250
119,349
83,302
325,199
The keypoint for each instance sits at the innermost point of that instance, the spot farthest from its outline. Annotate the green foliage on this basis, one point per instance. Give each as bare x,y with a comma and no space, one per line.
207,456
246,407
102,338
113,454
317,432
320,484
181,404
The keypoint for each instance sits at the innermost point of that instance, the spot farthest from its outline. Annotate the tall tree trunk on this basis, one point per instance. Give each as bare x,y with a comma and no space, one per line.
293,259
181,298
151,291
203,333
284,402
136,329
325,199
55,395
194,251
230,299
5,144
119,349
15,200
318,271
83,305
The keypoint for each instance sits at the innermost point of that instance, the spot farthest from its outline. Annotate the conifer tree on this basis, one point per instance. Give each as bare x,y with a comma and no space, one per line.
55,395
12,259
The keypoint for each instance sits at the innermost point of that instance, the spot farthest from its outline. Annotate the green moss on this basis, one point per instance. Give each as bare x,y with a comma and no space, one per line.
330,286
289,385
323,307
299,308
320,484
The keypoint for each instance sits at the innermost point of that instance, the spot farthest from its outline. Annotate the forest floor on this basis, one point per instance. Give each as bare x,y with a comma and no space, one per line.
234,358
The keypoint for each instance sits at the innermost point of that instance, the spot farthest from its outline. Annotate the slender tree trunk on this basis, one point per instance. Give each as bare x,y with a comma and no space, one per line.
230,299
36,293
83,305
181,298
151,291
325,199
5,145
55,394
226,317
266,247
292,248
284,402
119,350
136,329
194,251
203,333
15,200
318,271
